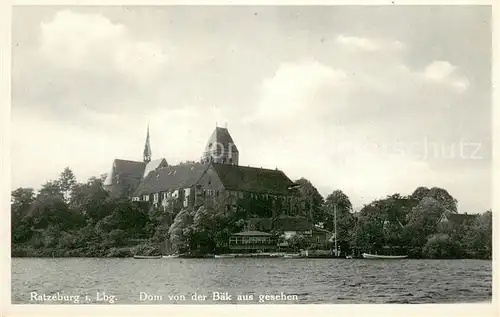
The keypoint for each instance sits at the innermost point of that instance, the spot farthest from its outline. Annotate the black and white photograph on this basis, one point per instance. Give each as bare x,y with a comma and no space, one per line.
251,154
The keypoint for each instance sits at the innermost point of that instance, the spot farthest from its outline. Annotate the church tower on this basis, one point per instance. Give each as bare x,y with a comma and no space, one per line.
147,149
220,148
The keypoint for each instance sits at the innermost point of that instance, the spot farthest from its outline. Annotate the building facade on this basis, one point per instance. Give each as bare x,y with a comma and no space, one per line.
265,193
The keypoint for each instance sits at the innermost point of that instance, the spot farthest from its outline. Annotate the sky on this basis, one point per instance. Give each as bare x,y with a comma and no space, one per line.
370,100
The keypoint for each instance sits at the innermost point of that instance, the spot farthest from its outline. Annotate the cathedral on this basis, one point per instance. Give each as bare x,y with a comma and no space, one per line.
216,174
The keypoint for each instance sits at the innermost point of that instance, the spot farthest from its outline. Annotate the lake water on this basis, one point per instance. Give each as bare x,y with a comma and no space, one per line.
327,281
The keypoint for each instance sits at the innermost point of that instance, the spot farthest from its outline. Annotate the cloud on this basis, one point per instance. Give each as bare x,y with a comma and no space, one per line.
91,42
87,66
294,86
88,83
368,44
354,127
443,72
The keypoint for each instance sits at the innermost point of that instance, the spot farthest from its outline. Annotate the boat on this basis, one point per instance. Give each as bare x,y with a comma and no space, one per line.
349,257
223,256
292,256
383,257
145,257
172,256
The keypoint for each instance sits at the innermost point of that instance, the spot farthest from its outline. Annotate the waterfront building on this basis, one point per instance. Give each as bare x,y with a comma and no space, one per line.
252,241
267,193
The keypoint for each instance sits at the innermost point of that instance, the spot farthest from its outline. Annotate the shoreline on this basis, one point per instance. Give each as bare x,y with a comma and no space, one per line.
241,257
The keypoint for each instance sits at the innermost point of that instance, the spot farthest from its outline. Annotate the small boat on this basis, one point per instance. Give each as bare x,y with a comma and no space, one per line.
383,257
349,257
172,256
292,256
223,256
146,257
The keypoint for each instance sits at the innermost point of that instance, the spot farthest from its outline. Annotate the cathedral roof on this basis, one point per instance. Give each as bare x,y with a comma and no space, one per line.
221,136
171,177
122,169
154,164
253,179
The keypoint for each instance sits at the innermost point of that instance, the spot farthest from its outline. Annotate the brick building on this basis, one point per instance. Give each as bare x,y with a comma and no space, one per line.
268,193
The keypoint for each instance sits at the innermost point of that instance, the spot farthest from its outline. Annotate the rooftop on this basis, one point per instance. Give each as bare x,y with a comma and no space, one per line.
253,179
171,177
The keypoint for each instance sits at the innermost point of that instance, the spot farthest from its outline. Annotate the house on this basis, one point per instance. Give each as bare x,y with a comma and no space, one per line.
320,236
290,226
252,241
453,221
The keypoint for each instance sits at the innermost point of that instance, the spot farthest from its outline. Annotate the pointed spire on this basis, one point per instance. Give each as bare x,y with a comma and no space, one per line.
147,148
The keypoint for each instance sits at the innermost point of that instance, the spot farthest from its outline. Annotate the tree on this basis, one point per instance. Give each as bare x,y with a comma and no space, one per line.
67,240
91,200
204,228
129,216
421,223
51,188
298,242
439,194
441,246
50,211
420,193
180,231
67,182
368,233
478,237
444,198
345,218
117,237
214,224
313,201
21,201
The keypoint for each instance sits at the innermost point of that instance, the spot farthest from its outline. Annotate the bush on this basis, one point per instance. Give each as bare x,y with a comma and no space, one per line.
441,246
145,249
119,253
298,241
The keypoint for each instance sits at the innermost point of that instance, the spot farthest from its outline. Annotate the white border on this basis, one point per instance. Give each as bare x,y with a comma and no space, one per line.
6,309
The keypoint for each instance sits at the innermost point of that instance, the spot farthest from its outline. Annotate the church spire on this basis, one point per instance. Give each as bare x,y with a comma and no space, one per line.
147,149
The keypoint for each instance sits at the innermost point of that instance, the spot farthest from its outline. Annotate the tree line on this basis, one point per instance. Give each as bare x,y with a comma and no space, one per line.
403,224
68,218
